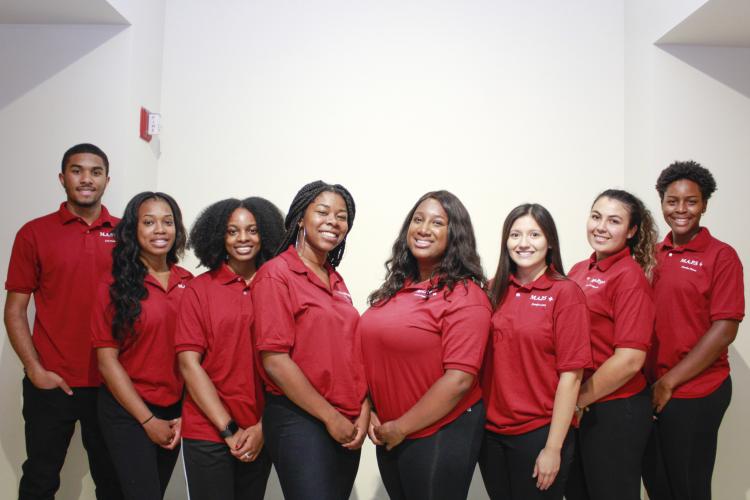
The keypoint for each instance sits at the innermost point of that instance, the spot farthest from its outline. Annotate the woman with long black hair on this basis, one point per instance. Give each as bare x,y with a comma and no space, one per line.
221,417
316,414
423,340
540,345
133,323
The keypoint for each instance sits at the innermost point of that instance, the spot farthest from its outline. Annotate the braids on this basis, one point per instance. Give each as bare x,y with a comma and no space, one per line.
643,242
301,201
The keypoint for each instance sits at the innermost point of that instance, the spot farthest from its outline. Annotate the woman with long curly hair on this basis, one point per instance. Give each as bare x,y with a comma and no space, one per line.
613,404
133,323
423,340
700,297
221,417
316,413
534,365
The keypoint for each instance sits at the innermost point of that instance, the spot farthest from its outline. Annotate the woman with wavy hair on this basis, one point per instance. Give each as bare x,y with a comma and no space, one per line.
132,324
316,413
613,405
423,340
221,419
540,346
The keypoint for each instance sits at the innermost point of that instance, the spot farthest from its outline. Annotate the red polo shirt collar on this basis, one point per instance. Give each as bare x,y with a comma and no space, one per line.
177,275
698,244
225,275
608,262
105,219
296,265
543,282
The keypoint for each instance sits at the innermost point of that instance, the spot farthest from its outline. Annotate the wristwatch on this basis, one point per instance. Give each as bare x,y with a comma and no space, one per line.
229,430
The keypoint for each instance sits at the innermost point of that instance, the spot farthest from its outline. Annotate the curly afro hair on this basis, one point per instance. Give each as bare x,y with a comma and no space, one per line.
690,170
208,231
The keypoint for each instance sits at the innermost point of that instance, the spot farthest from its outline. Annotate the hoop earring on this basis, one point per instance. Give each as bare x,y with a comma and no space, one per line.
297,243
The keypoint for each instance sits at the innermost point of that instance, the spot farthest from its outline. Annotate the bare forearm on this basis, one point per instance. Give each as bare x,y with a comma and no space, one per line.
563,408
437,402
611,375
708,349
202,389
119,384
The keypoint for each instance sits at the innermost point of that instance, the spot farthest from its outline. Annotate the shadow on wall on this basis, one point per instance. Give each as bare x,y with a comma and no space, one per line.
731,479
31,54
729,65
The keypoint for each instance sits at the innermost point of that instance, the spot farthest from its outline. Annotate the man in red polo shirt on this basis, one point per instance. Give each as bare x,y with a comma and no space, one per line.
59,259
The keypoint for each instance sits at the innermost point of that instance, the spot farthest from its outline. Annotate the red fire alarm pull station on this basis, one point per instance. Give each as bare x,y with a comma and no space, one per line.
150,124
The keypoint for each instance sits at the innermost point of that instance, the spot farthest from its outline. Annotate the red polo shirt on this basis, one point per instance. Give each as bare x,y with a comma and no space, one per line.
148,358
539,330
297,314
61,259
412,339
621,311
694,285
214,320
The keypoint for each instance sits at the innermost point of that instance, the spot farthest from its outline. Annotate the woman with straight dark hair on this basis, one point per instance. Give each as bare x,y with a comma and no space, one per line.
700,300
132,324
614,405
316,413
221,418
539,347
423,340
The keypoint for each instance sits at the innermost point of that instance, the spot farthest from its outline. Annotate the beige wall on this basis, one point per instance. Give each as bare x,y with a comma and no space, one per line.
499,101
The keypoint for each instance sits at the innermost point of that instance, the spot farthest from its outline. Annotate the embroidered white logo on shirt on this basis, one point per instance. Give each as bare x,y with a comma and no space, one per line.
690,264
181,285
344,294
594,282
540,300
423,294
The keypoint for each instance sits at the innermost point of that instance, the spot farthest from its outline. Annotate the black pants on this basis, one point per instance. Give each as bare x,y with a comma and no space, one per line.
436,467
310,464
679,459
611,442
507,464
213,472
50,417
144,468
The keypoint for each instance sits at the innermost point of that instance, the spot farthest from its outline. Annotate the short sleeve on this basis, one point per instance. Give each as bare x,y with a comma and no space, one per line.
274,326
24,270
101,319
465,330
633,316
727,287
572,335
190,334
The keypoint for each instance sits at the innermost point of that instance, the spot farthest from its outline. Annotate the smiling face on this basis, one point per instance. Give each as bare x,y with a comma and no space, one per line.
682,207
156,229
427,236
84,180
325,224
607,227
241,240
527,247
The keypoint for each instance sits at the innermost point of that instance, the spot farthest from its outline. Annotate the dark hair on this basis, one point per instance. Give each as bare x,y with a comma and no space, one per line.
460,261
690,170
84,148
506,266
301,201
128,271
644,240
209,230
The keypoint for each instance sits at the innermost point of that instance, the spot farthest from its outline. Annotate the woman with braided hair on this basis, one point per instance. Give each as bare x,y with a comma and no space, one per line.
615,426
316,414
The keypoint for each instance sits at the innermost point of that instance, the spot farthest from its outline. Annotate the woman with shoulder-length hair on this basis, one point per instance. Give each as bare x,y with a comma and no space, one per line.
700,297
222,428
133,322
614,403
539,347
423,340
316,413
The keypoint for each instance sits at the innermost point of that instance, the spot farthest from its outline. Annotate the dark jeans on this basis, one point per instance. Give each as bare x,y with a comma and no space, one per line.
679,459
310,464
50,417
436,467
144,468
213,472
507,464
611,441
